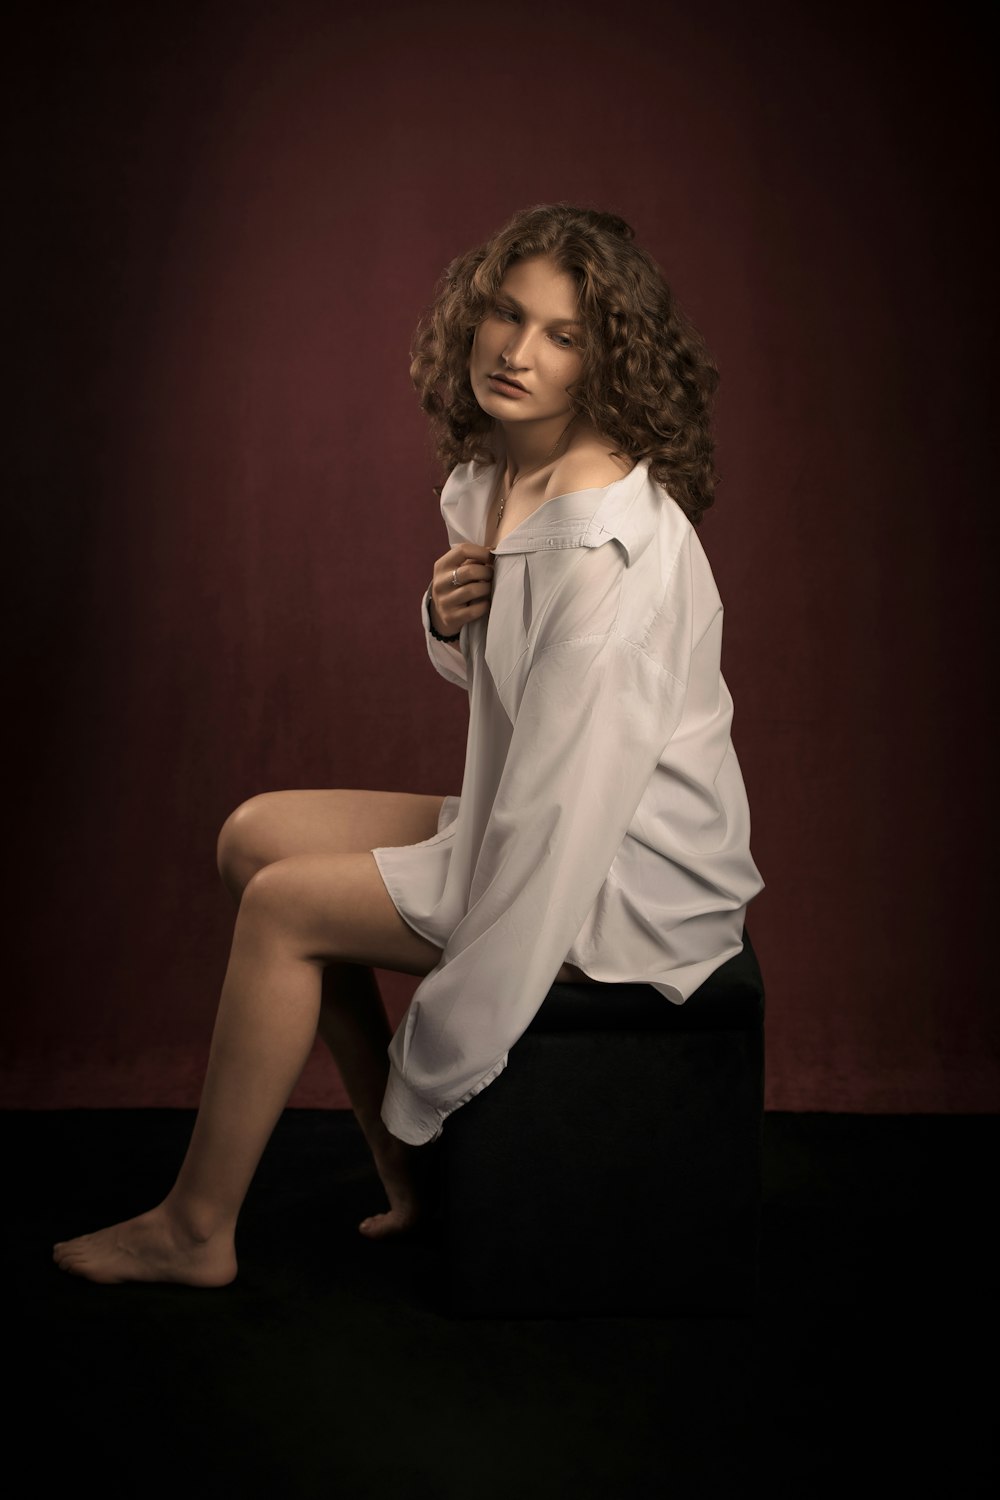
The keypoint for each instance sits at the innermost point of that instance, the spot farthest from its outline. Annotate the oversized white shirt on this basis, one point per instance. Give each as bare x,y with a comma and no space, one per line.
603,818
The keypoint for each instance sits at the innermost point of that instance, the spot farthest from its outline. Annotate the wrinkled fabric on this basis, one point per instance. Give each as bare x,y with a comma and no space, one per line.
603,818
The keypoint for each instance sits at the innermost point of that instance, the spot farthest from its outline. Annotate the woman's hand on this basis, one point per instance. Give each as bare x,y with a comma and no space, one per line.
461,587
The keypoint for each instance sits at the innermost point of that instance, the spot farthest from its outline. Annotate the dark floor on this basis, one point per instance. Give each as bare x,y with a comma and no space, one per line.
327,1369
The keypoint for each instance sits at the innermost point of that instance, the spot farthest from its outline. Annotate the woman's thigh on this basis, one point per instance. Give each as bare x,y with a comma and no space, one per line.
329,907
278,825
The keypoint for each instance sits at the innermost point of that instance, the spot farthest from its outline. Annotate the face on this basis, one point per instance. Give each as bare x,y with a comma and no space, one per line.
527,350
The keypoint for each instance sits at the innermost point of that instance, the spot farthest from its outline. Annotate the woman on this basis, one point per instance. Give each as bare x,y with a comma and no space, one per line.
602,833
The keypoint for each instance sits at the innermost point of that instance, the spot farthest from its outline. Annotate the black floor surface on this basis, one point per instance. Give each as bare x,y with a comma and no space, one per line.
328,1370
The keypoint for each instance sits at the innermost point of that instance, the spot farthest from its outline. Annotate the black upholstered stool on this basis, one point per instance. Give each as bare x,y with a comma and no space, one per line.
614,1166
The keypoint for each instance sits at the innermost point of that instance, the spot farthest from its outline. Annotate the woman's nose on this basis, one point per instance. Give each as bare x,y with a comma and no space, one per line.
516,353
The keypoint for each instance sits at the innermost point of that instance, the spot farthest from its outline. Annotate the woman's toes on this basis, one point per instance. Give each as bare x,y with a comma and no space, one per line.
396,1221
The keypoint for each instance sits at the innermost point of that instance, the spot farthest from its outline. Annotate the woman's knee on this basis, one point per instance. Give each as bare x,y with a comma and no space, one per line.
277,825
328,907
242,844
300,898
272,891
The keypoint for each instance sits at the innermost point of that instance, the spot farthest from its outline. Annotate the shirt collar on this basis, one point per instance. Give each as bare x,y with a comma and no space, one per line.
629,511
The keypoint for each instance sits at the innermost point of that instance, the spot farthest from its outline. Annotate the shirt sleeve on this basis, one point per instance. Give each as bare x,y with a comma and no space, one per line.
447,659
593,720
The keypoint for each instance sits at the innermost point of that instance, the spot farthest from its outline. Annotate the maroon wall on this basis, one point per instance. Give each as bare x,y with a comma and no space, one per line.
222,514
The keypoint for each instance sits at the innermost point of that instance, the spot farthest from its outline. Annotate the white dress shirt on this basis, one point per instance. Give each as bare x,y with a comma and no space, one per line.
603,818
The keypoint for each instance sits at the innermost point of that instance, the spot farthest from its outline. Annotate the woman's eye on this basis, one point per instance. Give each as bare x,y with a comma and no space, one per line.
563,341
506,312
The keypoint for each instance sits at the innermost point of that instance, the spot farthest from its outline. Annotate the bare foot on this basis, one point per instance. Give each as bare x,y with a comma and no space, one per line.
380,1226
394,1161
153,1247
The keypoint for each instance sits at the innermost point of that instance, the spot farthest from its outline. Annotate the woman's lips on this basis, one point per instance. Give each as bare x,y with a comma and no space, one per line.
504,387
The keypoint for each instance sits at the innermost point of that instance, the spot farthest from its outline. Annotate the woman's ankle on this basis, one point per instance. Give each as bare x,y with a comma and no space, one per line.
195,1221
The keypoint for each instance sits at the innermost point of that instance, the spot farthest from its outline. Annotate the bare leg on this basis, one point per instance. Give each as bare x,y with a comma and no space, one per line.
354,1025
307,914
352,1021
296,916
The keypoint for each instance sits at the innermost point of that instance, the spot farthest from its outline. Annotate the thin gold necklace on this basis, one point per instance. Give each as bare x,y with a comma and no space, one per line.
525,473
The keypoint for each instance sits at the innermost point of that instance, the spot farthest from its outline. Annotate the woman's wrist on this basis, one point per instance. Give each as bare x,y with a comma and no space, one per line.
434,630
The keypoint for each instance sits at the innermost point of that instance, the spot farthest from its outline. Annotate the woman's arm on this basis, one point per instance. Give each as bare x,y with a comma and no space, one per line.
594,717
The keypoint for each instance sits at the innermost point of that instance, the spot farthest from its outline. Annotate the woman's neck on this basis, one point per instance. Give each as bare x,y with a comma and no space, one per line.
523,445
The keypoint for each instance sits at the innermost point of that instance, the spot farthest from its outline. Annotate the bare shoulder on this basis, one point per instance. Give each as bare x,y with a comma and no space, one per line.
590,466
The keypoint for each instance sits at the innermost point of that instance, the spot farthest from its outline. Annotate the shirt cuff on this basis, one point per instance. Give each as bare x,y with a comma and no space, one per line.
407,1116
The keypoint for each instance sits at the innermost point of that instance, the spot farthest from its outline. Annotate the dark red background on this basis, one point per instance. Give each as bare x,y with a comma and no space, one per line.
228,218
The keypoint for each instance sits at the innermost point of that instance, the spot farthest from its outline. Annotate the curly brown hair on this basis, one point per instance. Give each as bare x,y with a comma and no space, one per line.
647,380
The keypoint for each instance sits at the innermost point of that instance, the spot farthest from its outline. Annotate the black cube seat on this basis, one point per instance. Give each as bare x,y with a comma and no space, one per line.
614,1166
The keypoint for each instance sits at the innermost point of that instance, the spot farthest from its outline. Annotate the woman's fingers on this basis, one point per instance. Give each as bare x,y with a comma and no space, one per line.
463,597
469,593
454,564
464,580
462,584
468,552
471,573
